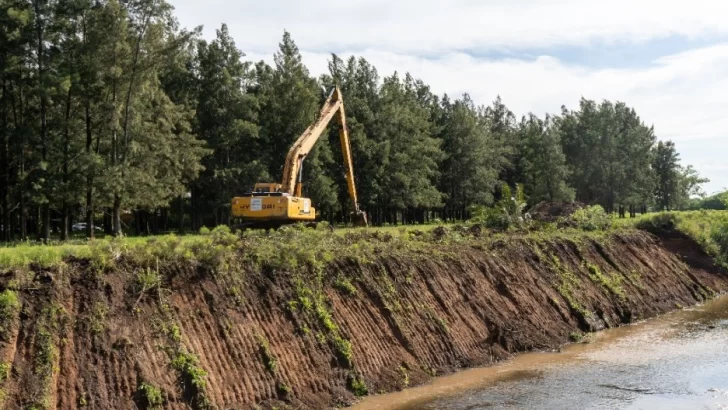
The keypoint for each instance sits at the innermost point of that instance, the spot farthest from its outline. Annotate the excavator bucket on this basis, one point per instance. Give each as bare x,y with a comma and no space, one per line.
360,219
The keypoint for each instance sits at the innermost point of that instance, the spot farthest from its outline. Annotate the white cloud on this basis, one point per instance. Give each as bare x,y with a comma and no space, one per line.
683,95
431,26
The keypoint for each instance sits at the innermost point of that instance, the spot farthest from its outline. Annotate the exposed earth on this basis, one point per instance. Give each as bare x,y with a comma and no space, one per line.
102,340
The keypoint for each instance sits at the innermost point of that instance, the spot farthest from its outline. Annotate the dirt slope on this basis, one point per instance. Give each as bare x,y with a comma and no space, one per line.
84,339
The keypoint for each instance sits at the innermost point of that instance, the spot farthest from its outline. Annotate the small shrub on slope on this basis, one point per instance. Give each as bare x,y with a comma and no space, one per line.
592,218
9,309
151,395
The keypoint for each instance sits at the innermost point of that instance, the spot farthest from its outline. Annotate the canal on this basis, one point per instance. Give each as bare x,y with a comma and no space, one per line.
675,361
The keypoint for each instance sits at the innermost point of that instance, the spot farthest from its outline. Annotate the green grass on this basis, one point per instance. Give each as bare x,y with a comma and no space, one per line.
294,248
611,282
709,228
23,254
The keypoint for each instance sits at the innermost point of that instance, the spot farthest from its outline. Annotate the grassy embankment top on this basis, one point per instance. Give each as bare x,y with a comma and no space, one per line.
294,247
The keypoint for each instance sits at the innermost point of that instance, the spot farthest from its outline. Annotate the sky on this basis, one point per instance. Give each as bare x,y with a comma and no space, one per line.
667,59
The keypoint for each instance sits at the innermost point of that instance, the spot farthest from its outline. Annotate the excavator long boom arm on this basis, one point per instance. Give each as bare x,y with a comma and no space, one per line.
333,107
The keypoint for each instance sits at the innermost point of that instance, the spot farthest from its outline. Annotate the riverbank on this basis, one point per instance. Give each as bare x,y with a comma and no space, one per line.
311,319
674,361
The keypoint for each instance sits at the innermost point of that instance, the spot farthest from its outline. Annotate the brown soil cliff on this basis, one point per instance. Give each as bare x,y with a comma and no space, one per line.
84,339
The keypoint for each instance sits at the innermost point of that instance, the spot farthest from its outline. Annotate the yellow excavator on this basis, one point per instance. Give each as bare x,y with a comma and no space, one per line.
271,205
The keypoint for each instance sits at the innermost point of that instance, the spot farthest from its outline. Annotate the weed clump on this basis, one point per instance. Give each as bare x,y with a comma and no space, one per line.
9,310
566,285
576,337
612,282
187,365
405,376
345,286
151,396
97,318
283,389
507,213
592,218
357,385
270,361
147,280
4,371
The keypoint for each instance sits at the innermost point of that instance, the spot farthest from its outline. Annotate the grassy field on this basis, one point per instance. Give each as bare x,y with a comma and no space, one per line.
295,246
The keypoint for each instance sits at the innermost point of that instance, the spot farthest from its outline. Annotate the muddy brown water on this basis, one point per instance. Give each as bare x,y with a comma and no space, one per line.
675,361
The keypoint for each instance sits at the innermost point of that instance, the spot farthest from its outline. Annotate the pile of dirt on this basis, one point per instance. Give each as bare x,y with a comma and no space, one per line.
246,338
553,211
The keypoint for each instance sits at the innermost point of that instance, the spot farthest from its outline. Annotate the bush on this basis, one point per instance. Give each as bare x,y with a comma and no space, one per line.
357,385
151,395
507,213
664,222
592,218
720,237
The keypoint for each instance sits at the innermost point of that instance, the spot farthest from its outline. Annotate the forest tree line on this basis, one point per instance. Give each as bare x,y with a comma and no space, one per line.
109,108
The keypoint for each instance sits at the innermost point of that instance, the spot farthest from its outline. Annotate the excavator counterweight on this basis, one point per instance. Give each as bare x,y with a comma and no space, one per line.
273,204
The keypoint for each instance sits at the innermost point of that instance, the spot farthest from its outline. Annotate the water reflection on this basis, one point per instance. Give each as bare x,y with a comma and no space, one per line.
677,361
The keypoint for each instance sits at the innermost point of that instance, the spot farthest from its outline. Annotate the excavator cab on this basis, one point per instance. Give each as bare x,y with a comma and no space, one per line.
266,187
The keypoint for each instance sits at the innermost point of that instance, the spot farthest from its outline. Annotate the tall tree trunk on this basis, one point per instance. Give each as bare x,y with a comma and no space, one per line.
165,219
181,226
5,160
46,214
38,219
89,175
116,209
116,216
46,223
66,159
108,229
193,209
125,128
23,219
19,121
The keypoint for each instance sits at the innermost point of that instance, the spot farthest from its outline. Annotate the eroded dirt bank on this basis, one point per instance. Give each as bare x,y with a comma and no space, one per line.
184,337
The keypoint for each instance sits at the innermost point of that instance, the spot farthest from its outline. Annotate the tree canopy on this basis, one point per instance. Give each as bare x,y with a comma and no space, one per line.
112,114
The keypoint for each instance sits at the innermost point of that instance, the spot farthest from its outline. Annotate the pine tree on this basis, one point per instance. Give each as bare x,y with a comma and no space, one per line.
608,149
543,162
289,100
502,124
666,163
227,120
474,157
411,152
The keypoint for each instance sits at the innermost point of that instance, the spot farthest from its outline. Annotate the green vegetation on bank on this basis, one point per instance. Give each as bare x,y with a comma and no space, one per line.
708,228
312,268
295,247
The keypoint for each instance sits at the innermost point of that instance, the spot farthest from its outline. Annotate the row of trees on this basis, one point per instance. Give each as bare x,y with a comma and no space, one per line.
108,108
